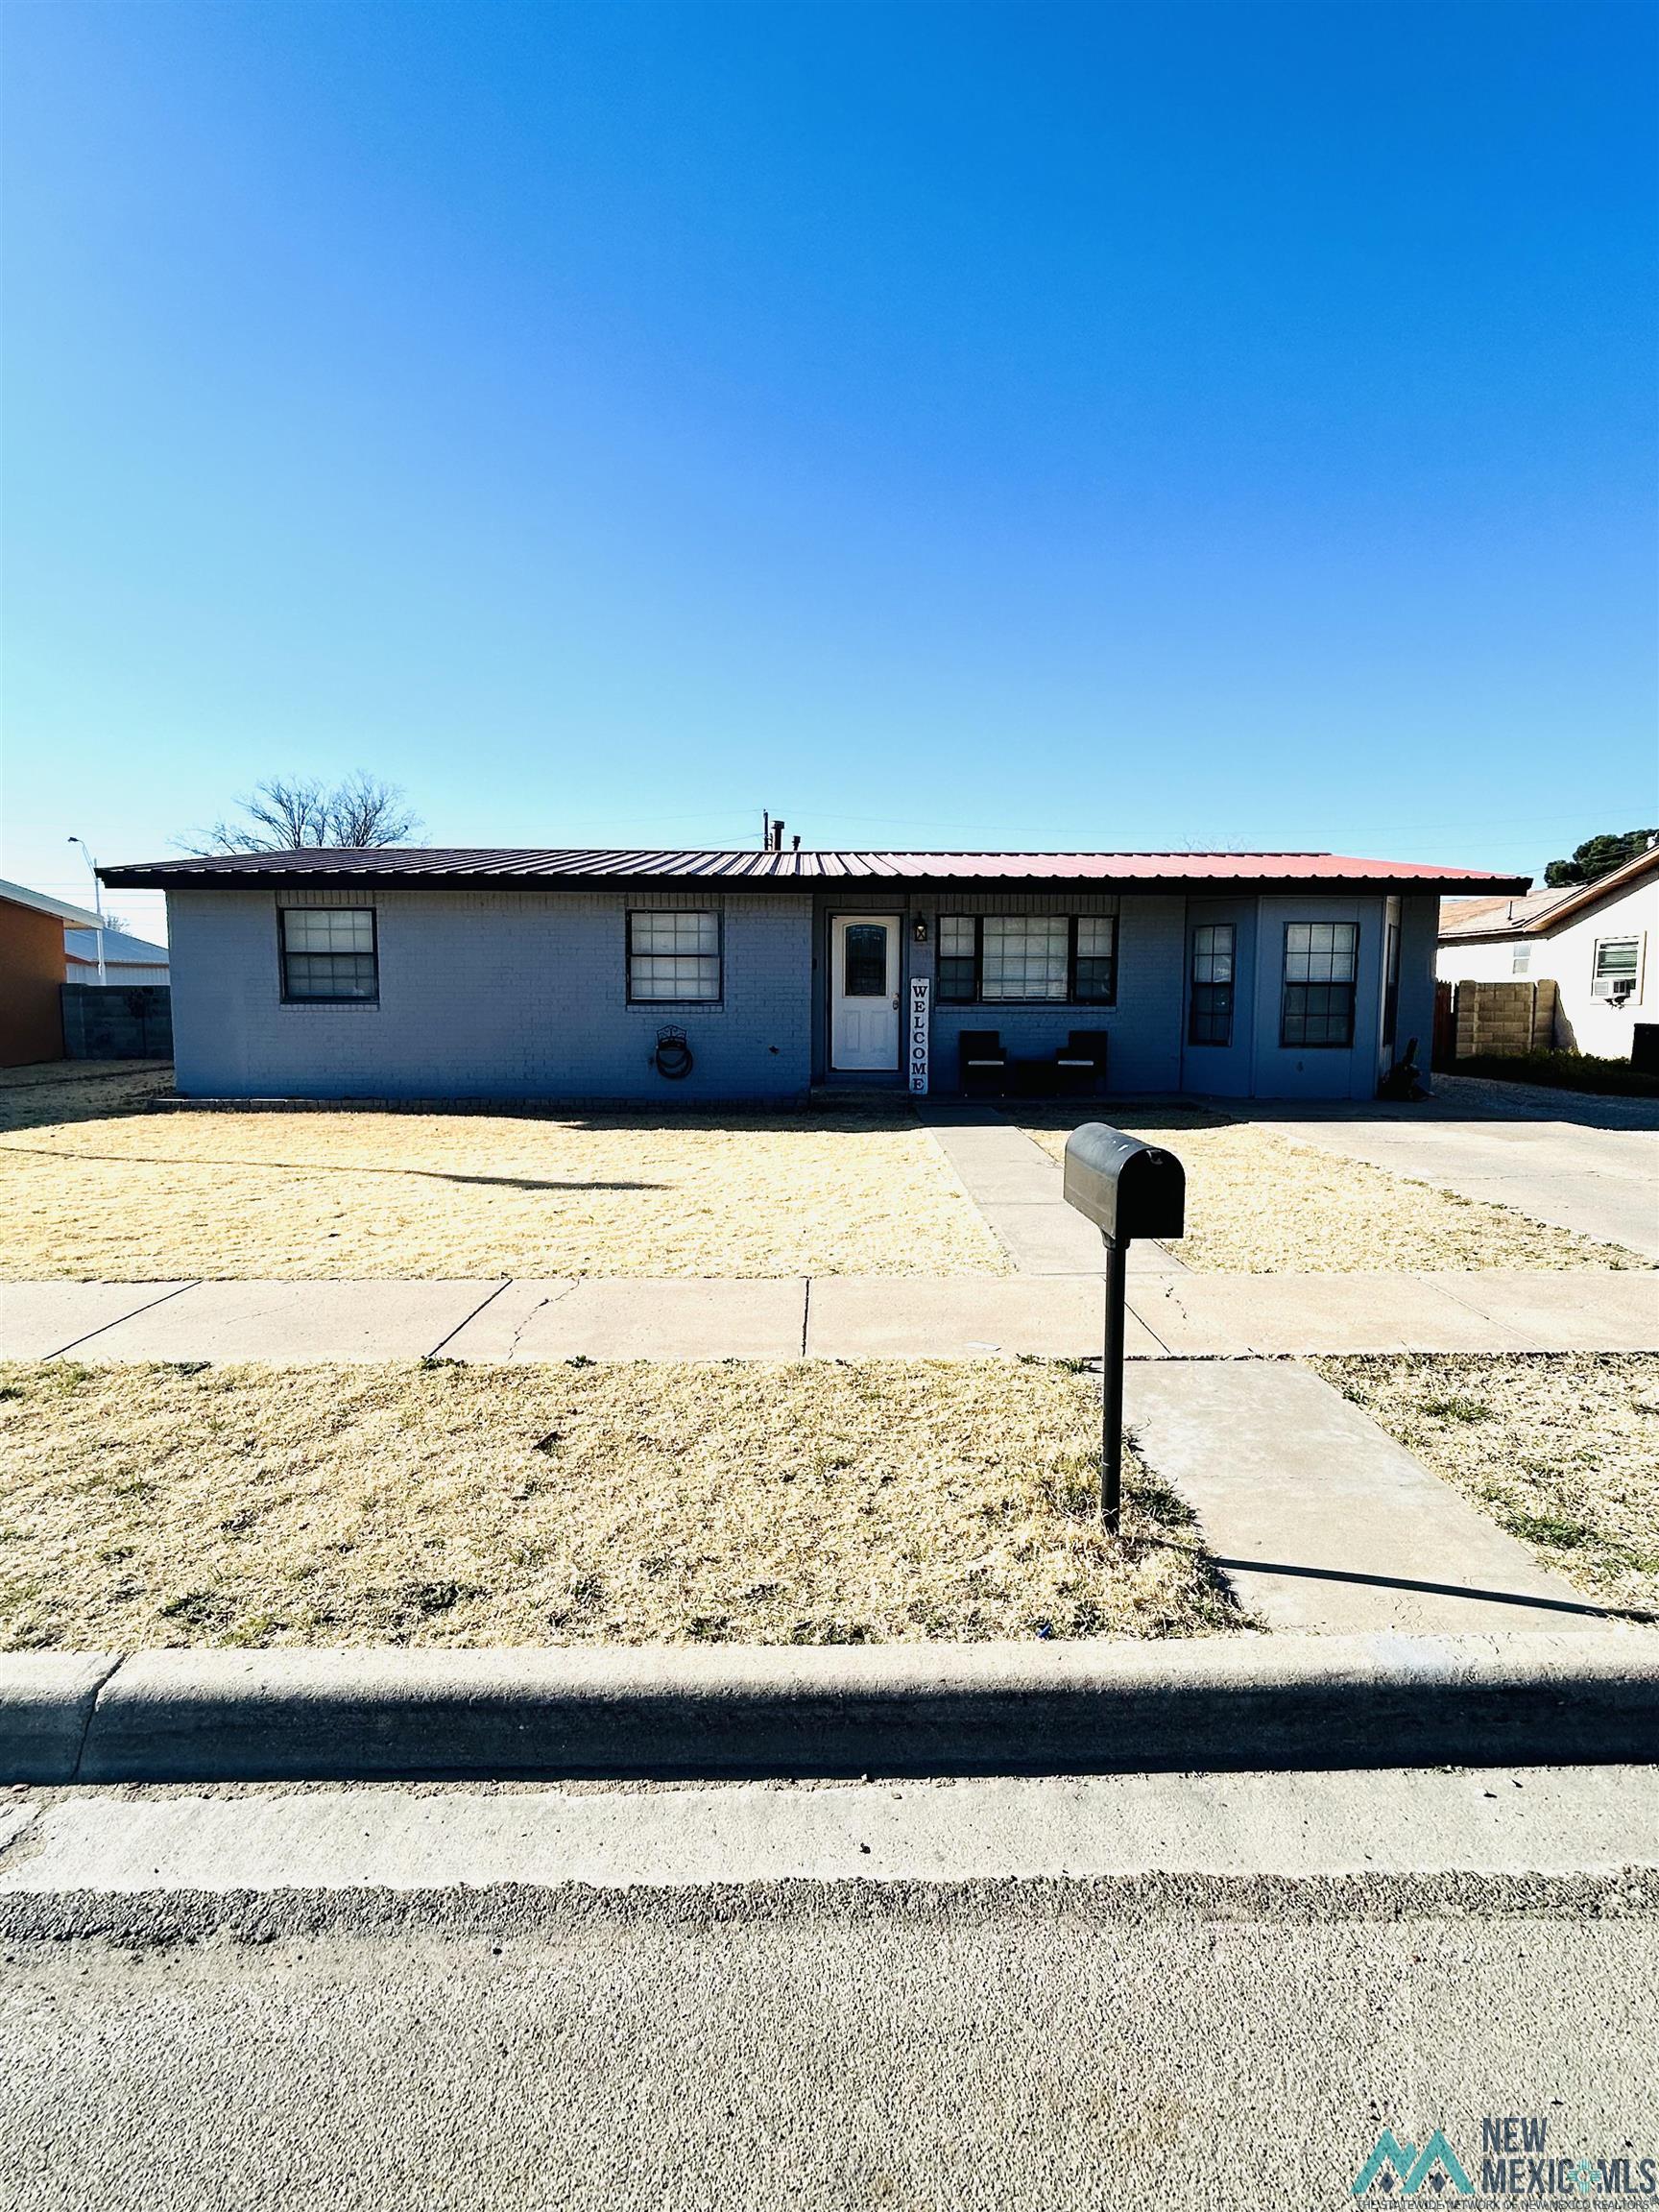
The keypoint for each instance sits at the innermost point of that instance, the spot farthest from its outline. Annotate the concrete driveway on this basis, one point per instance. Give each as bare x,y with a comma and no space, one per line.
1585,1164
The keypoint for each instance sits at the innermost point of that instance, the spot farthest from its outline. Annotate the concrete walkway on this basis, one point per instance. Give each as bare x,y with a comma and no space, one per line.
1323,1524
828,1317
1017,1187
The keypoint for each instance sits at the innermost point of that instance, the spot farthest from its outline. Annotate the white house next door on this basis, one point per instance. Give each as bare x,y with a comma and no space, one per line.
864,992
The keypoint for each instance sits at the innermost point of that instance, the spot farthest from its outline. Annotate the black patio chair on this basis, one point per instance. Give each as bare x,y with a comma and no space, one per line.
982,1065
1080,1066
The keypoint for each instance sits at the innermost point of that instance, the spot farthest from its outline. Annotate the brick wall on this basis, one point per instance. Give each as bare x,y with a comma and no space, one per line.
487,994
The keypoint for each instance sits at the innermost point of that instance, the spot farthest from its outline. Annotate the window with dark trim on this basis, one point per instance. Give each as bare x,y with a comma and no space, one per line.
1210,1012
1027,959
330,954
1321,960
673,957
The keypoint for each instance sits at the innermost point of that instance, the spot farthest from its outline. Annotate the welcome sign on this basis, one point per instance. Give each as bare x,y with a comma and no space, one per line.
921,991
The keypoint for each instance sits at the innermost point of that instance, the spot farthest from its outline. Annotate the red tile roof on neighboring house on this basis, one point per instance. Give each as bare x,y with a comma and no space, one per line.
1540,911
415,865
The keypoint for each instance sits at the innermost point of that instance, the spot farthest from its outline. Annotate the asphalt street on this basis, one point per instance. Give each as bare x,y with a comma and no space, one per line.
1177,2038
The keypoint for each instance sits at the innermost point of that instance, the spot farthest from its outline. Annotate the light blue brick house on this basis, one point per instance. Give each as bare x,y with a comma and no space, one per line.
706,976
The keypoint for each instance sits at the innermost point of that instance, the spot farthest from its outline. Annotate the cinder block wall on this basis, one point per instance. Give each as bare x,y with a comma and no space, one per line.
1505,1017
487,994
117,1021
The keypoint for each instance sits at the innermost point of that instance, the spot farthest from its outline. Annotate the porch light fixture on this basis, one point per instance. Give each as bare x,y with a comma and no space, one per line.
919,928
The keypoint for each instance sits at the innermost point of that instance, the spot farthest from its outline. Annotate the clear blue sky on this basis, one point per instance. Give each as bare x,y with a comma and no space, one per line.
975,425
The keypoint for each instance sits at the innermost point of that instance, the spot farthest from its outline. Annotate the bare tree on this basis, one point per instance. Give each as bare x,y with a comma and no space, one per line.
284,814
365,812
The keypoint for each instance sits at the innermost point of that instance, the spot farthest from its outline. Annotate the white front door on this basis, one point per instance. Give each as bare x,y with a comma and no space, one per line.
864,991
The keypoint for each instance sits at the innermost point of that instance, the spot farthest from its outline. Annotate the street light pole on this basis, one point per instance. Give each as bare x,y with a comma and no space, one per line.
97,896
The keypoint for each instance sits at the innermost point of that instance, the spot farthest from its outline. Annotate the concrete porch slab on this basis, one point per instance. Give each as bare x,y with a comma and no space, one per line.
1234,1316
1321,1522
962,1317
675,1318
39,1320
294,1323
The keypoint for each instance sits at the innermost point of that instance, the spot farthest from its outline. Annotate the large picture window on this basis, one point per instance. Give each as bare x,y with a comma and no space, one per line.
328,952
1321,960
673,958
1210,1011
1025,959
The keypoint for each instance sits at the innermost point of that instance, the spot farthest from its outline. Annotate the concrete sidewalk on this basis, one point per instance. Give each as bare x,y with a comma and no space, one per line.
830,1317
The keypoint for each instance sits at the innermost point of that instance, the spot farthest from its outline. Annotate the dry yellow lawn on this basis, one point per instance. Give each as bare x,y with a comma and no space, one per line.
91,1186
1561,1450
1259,1204
447,1505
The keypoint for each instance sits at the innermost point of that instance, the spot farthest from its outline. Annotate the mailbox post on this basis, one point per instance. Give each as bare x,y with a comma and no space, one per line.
1127,1190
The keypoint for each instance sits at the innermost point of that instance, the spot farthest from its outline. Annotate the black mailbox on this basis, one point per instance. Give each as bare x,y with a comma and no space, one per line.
1125,1188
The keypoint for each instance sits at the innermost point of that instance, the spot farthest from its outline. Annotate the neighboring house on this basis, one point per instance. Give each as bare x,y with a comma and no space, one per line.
127,961
46,944
1594,942
30,976
595,976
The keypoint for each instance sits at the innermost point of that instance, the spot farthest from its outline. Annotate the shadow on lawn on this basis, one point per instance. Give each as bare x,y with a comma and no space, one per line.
318,1167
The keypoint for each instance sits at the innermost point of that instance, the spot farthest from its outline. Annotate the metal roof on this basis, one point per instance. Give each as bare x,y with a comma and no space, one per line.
750,869
1537,914
20,895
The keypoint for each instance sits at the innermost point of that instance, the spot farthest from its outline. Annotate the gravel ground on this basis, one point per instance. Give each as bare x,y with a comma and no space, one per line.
1259,1204
1562,1451
449,1505
91,1186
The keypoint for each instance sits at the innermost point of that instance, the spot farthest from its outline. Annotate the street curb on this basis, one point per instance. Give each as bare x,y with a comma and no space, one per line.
46,1704
1219,1703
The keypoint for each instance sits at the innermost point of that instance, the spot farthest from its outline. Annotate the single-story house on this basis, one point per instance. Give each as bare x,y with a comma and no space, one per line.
1593,942
752,976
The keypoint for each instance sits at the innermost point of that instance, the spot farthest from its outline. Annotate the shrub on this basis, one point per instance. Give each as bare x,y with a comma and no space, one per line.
1564,1071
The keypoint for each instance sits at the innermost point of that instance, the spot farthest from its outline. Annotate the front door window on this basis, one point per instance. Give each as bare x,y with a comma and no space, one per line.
866,960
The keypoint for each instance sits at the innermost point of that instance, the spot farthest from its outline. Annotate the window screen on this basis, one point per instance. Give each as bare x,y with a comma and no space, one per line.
1210,1014
1024,956
1321,959
1094,980
1519,959
673,957
328,952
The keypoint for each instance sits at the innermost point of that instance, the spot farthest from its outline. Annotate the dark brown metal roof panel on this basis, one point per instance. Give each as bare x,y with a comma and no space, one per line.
416,865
